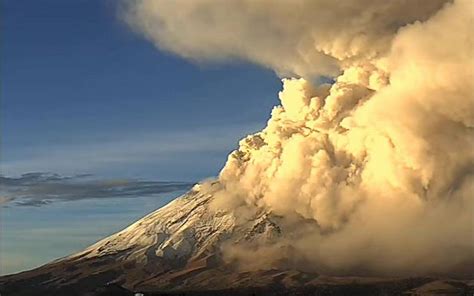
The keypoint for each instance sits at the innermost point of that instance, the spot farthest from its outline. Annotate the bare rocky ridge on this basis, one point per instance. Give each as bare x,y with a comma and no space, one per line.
176,249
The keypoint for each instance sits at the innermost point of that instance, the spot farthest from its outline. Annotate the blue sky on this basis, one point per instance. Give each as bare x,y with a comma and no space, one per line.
82,93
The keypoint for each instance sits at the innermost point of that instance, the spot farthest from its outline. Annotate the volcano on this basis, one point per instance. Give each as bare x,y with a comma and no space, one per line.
361,183
178,250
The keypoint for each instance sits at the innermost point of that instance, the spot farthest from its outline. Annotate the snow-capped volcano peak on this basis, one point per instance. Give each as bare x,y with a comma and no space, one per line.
186,229
182,229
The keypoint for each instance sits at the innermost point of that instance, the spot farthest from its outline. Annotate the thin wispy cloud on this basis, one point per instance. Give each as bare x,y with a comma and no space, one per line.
38,189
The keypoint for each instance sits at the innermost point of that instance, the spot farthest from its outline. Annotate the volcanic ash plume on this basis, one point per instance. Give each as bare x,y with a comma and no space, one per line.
293,37
373,172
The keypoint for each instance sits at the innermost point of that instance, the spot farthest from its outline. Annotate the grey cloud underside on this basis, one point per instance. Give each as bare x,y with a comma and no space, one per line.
37,189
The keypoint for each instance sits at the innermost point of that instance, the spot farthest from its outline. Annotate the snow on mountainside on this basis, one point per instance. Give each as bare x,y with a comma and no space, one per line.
179,231
184,230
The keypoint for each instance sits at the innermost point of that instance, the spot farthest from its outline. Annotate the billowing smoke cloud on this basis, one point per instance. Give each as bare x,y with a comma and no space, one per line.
378,165
298,37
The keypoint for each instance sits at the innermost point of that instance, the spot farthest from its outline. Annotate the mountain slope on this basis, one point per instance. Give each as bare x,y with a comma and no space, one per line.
178,248
175,242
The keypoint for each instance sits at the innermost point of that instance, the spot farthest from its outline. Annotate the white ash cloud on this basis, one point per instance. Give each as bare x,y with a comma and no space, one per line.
381,161
299,37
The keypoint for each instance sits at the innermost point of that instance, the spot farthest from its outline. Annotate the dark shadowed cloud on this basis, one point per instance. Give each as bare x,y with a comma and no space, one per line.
37,189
